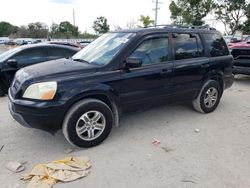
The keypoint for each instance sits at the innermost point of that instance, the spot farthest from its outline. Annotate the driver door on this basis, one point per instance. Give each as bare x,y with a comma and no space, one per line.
151,81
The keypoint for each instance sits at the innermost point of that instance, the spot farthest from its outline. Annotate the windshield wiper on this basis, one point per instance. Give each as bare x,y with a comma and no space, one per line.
80,60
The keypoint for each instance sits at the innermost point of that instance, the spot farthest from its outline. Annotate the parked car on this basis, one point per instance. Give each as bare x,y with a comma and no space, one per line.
86,95
84,43
65,43
228,38
241,54
4,40
23,56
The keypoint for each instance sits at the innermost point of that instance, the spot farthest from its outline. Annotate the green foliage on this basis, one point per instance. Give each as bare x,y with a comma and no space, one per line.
146,21
87,35
230,13
101,25
7,29
37,30
190,12
68,30
246,26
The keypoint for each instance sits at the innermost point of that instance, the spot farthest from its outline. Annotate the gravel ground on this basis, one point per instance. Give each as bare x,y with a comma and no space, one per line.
216,157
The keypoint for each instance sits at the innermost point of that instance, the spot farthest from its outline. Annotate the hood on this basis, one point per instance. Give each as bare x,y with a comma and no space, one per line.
239,45
55,68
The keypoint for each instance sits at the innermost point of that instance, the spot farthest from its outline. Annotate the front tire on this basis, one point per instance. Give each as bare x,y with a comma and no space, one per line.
208,98
87,123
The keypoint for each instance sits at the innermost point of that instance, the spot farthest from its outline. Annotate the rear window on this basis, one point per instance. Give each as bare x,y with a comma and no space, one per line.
216,45
187,46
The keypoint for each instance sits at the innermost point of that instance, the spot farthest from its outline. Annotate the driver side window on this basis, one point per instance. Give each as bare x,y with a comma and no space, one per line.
152,51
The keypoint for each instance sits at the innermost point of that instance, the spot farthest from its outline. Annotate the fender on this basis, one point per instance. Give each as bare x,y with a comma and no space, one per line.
97,91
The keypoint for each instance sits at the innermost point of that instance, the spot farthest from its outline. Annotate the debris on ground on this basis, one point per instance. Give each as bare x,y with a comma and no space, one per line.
188,181
156,142
15,166
1,148
69,150
197,130
166,149
65,170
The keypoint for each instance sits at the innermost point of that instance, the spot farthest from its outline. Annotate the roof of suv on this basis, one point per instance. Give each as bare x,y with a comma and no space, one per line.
170,29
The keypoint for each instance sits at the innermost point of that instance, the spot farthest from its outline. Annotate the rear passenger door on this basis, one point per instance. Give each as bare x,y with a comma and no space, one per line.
190,64
57,53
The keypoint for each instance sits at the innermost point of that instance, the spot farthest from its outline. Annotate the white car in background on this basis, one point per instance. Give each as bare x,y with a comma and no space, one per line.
3,40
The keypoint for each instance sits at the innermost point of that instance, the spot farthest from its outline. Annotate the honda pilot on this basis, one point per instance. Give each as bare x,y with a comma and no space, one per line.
87,94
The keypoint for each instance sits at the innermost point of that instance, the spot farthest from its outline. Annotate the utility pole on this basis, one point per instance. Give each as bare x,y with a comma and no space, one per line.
74,19
156,10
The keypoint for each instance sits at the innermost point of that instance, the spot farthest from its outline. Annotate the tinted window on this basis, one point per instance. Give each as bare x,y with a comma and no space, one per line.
59,53
152,51
30,56
217,45
187,46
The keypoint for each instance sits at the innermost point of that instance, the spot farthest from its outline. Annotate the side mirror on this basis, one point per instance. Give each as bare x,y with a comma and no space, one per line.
12,62
133,62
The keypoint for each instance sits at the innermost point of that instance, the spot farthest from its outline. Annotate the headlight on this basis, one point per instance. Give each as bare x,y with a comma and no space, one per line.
41,91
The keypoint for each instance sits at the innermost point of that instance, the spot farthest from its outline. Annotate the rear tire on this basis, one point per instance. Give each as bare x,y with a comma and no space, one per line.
208,98
87,123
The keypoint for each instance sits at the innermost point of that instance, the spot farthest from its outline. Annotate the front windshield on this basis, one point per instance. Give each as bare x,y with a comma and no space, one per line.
102,50
4,56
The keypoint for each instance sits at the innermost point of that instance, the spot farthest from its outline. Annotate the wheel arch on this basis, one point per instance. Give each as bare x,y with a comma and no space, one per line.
108,98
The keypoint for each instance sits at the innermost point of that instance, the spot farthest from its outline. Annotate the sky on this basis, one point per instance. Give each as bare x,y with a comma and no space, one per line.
118,12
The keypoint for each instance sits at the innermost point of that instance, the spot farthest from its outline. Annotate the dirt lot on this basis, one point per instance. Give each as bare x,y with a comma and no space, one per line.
218,156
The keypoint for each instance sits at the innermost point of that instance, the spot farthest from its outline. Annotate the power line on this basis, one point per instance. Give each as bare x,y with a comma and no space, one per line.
156,10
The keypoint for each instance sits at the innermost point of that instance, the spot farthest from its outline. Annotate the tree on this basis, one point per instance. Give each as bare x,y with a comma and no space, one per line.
38,30
87,35
101,25
54,30
146,21
7,29
190,11
68,30
230,13
246,27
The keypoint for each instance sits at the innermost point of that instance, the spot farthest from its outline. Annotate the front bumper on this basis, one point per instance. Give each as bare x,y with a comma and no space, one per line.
241,70
46,116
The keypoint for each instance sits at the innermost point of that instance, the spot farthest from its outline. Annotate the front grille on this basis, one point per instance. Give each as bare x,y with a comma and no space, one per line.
241,53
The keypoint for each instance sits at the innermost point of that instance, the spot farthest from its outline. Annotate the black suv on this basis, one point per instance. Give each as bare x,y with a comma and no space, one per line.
86,95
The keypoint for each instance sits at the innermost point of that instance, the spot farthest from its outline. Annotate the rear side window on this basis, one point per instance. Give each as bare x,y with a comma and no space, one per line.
187,46
59,53
216,45
152,51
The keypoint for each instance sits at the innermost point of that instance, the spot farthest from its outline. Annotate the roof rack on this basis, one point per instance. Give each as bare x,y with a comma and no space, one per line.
184,26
